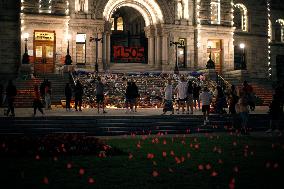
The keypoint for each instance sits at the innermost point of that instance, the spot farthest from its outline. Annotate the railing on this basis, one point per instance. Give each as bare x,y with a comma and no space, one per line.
222,82
71,78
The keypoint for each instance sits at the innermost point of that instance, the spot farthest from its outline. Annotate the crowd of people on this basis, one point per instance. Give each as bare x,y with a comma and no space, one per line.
177,94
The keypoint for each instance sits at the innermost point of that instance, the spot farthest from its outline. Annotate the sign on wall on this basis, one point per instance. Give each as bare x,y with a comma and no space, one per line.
44,36
129,54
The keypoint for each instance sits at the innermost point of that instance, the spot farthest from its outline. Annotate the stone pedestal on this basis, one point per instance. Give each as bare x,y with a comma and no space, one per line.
26,69
210,74
68,68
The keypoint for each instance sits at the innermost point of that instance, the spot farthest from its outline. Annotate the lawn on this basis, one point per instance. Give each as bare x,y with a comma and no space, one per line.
206,161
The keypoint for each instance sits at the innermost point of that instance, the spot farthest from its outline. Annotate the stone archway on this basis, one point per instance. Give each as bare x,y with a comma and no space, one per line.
153,17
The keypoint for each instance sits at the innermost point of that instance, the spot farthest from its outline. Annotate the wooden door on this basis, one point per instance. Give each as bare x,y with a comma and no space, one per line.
44,59
44,52
216,54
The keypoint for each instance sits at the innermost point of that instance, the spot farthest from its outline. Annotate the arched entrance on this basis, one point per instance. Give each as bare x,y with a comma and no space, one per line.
128,41
133,32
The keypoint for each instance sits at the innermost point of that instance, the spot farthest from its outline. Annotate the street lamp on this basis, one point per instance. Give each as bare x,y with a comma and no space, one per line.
176,71
26,59
96,39
243,66
68,60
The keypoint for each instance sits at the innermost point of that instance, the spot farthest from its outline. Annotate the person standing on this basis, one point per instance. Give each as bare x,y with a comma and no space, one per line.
47,96
129,102
233,100
275,112
68,96
196,93
11,92
242,108
189,100
37,104
205,97
78,91
135,95
181,91
168,100
100,95
248,94
220,101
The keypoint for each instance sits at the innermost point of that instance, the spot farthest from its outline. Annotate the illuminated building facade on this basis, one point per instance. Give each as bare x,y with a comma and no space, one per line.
244,37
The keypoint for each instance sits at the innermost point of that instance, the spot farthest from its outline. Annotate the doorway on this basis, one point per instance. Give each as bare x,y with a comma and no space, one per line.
44,52
215,47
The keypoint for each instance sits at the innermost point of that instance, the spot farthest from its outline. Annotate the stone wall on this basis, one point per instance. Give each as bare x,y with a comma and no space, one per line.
9,38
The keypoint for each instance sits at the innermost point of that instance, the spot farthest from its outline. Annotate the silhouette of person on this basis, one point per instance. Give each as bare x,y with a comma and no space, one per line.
11,92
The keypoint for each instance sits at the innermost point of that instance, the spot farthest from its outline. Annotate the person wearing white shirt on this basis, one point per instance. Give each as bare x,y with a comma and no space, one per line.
181,90
205,97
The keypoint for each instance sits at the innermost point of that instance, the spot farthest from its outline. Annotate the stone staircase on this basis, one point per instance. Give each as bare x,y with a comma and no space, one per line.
262,88
125,125
58,83
131,67
25,87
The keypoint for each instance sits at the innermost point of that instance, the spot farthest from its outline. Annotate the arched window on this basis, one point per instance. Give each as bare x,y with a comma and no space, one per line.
120,24
180,9
215,12
240,17
279,30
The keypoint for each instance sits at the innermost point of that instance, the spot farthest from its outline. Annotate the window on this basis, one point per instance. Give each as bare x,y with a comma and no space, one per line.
119,24
81,48
112,23
240,17
81,6
279,30
180,9
44,6
215,12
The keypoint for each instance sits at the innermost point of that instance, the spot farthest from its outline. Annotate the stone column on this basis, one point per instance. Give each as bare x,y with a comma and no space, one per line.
100,52
164,50
108,50
151,51
158,51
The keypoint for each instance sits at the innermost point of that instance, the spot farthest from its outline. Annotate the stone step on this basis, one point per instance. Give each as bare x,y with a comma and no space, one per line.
112,125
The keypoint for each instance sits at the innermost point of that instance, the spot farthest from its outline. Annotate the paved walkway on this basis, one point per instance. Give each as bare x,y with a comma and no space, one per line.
59,111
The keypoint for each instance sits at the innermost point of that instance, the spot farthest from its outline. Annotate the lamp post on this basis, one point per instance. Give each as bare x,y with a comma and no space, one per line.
210,63
26,59
243,66
68,60
176,70
96,39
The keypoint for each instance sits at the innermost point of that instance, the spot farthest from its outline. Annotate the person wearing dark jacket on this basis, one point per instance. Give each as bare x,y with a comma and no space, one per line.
68,96
11,92
275,112
78,95
135,95
129,97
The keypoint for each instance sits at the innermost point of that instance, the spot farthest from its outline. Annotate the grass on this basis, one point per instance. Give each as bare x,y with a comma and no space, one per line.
227,162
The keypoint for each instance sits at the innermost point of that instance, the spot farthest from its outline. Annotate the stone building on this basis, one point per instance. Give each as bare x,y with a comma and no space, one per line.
244,37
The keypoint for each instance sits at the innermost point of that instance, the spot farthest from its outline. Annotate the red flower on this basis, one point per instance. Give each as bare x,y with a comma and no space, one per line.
45,180
91,180
81,171
155,174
